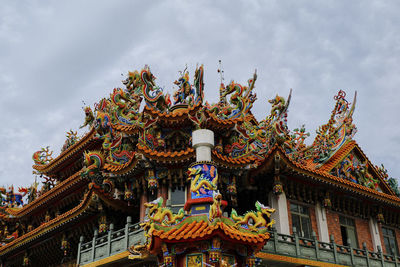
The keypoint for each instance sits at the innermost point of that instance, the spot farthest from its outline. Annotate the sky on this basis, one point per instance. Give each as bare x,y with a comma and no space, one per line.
56,54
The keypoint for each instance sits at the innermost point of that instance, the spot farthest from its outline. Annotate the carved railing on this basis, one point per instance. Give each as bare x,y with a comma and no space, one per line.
312,249
115,242
112,243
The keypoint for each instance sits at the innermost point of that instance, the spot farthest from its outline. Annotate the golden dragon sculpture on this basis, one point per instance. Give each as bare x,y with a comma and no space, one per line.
258,217
198,181
158,214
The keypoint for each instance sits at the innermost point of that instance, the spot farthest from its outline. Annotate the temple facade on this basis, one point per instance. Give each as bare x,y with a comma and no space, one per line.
160,180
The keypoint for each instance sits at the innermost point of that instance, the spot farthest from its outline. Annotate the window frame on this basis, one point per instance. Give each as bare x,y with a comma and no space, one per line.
396,248
347,227
301,216
177,206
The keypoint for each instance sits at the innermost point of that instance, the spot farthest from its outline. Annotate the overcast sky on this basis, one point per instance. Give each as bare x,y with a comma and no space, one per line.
54,54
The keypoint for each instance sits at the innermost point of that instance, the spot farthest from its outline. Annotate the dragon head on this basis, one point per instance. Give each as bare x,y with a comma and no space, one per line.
193,171
265,210
86,158
217,196
87,110
154,205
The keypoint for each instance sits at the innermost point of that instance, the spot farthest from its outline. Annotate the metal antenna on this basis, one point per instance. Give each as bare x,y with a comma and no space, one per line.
221,85
221,71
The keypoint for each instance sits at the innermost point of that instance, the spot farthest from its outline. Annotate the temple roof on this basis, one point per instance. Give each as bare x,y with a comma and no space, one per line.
67,186
326,177
86,206
198,230
128,137
69,154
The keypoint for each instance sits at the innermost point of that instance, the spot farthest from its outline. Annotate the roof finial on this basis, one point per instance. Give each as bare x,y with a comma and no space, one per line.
220,71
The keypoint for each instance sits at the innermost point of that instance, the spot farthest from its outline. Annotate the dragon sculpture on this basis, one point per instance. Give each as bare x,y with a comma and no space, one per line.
340,128
153,94
259,217
160,215
93,162
43,156
215,208
123,111
242,98
199,84
72,138
202,178
278,117
117,153
185,93
133,83
89,117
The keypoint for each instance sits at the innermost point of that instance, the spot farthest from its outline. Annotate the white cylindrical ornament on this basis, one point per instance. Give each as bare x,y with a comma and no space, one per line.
203,142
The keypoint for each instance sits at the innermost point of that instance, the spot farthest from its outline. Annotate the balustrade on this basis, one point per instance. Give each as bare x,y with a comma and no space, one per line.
115,242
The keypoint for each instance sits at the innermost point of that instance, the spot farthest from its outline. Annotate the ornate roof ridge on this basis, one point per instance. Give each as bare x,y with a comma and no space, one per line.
312,172
377,173
338,156
172,115
72,214
343,152
46,227
52,193
392,198
118,169
67,153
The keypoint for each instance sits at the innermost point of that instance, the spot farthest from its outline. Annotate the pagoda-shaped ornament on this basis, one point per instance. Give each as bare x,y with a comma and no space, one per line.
200,235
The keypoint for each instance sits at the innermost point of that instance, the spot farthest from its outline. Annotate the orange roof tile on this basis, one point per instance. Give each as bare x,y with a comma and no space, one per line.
202,229
168,155
233,162
338,156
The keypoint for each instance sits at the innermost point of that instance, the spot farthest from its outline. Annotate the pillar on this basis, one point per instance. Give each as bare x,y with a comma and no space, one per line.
322,224
203,142
281,217
376,237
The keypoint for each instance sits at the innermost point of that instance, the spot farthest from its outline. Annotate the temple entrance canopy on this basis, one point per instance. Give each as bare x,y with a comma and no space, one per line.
200,235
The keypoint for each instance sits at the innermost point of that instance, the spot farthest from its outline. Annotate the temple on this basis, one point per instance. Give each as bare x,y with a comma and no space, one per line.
160,180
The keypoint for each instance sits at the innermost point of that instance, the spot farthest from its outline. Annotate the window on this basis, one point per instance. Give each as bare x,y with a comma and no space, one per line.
301,220
348,230
389,237
177,197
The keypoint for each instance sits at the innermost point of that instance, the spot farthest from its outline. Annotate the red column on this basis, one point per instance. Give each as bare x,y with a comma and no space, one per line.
164,193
